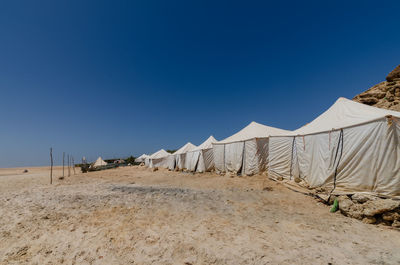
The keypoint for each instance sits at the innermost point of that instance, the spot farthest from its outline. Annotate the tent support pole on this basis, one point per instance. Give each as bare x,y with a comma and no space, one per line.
63,163
224,159
340,145
291,158
243,169
51,165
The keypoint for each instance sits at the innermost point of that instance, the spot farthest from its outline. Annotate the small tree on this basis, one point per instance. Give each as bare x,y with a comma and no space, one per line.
171,151
130,160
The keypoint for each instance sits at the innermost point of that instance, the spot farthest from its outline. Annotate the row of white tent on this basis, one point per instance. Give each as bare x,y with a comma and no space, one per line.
349,148
190,157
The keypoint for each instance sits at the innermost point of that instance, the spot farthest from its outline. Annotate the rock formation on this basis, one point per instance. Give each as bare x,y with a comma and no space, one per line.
385,94
393,74
370,209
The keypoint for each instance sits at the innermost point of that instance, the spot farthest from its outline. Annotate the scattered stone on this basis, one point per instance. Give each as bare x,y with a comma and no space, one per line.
380,206
391,216
20,252
349,208
25,171
154,169
152,237
362,198
268,188
396,224
369,220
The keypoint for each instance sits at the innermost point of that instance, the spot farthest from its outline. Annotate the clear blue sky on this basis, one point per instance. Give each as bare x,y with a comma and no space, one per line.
115,78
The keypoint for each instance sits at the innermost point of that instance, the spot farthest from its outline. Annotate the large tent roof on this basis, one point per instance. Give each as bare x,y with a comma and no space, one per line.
99,162
142,156
207,144
344,113
254,130
159,154
186,148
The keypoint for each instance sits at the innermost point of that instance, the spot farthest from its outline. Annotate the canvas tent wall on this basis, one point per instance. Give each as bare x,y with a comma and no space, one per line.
99,162
349,148
245,152
158,159
141,158
177,159
201,159
147,161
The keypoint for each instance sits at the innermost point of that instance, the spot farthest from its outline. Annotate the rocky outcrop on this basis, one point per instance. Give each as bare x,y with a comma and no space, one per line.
375,207
394,74
349,208
370,209
383,95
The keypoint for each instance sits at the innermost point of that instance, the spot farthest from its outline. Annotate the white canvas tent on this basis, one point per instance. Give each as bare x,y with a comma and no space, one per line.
349,148
157,159
201,158
245,152
99,162
177,159
141,158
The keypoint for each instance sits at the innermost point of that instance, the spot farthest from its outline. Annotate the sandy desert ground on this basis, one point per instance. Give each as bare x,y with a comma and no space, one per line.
134,216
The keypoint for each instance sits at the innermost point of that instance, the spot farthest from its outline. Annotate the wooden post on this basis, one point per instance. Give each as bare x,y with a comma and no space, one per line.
73,164
69,172
51,165
63,163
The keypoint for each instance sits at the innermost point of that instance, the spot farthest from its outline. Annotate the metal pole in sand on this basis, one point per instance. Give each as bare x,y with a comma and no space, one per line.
63,163
51,165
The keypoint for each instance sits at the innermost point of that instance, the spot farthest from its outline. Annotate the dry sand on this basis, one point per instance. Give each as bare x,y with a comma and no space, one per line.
134,216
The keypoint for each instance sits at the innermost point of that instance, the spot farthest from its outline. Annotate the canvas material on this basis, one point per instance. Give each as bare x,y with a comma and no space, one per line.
159,158
368,160
342,114
195,160
99,162
253,130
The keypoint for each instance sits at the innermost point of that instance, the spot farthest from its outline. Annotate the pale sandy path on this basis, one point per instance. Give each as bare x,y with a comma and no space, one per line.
134,216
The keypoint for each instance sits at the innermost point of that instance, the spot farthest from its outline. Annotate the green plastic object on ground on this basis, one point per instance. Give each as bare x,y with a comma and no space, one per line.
335,206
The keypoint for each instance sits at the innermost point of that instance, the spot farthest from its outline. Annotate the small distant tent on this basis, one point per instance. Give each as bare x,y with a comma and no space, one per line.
245,152
351,147
99,162
201,158
177,159
157,159
141,158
